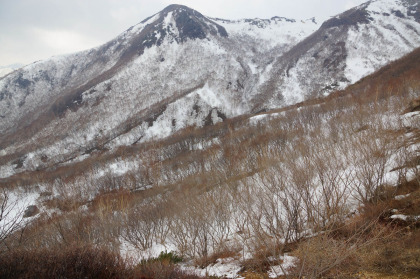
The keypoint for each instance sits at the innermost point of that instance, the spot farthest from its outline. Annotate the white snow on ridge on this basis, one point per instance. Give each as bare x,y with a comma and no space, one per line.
272,32
386,6
366,42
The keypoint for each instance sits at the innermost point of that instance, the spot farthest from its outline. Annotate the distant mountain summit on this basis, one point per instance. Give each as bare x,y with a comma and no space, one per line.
182,23
179,68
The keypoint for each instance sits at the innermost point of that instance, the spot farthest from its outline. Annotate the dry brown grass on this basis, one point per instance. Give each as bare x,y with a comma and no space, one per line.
397,255
161,270
324,257
71,262
368,245
254,275
75,261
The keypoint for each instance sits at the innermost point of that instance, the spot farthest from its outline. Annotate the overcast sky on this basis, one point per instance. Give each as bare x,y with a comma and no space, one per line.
32,30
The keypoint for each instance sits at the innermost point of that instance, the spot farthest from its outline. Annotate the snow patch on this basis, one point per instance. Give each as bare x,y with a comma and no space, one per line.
227,267
210,97
401,197
279,270
18,201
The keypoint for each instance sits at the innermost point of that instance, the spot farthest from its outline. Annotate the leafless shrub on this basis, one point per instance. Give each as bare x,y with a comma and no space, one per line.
201,225
71,262
332,255
140,226
161,270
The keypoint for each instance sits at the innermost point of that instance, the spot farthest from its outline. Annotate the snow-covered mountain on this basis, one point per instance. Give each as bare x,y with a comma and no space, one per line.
179,68
344,49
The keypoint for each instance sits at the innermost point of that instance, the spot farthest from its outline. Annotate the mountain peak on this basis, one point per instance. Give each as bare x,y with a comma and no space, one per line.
175,7
179,23
190,23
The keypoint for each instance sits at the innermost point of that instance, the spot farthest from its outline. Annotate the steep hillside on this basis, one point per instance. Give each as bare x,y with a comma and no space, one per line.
346,48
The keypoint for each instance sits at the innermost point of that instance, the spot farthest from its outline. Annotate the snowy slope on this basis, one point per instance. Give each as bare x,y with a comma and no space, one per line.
393,32
346,48
179,68
270,33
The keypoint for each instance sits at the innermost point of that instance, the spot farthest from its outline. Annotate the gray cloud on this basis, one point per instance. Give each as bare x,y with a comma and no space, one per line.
31,30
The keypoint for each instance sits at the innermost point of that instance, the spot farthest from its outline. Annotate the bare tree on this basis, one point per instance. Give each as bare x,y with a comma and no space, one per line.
10,217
